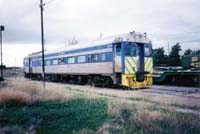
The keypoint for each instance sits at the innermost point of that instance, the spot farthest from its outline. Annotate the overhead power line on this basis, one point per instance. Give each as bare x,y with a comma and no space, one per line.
49,2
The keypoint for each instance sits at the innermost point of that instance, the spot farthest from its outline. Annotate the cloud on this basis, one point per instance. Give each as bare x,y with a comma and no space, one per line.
164,21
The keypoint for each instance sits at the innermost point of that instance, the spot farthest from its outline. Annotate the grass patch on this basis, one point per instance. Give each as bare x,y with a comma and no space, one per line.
56,117
136,99
90,116
186,107
27,108
158,103
151,120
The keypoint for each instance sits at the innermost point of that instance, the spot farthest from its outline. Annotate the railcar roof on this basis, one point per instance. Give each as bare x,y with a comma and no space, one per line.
130,37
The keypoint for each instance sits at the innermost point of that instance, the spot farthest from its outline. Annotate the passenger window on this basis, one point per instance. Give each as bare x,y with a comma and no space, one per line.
55,62
103,57
81,59
71,60
93,58
48,62
61,60
118,50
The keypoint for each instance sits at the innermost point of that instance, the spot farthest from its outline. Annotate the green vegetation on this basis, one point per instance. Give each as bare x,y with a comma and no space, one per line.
159,104
174,56
55,117
173,59
91,116
28,109
159,57
189,52
144,122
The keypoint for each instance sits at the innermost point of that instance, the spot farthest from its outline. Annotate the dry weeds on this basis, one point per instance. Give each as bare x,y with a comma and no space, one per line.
31,91
159,97
146,119
16,96
141,112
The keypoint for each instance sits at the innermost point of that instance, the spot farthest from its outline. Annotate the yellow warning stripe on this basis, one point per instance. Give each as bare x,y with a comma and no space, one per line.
149,64
131,65
146,64
128,67
134,65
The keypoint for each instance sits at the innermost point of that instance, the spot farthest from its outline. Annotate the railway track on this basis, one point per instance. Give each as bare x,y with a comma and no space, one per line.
176,88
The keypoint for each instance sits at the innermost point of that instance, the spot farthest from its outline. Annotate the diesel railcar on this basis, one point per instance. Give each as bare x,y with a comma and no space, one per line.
124,60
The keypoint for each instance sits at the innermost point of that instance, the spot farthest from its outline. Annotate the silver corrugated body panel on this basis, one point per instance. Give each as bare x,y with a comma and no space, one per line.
84,68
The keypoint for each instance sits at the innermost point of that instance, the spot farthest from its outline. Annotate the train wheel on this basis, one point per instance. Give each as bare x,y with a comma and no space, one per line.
82,80
107,82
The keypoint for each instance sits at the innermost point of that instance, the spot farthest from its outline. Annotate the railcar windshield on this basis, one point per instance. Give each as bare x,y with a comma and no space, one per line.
118,50
148,50
130,49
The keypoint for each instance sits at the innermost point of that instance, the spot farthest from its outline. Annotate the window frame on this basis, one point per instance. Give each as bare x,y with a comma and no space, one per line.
91,60
149,46
116,50
129,47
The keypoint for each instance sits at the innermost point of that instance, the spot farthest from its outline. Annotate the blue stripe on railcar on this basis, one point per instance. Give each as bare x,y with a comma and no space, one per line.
36,63
76,51
108,58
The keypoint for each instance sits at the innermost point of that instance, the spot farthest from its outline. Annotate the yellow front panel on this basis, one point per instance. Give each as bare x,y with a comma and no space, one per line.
130,81
129,78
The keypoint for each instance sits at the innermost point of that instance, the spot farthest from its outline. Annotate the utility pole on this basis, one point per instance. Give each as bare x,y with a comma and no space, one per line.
168,48
42,41
1,29
15,68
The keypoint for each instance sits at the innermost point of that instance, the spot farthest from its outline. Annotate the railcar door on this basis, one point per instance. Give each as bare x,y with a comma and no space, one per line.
118,57
148,58
140,62
30,65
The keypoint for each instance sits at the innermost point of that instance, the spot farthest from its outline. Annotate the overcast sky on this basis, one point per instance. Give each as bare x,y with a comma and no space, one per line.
164,20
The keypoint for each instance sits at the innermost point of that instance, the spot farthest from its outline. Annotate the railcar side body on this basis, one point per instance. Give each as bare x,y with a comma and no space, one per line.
124,60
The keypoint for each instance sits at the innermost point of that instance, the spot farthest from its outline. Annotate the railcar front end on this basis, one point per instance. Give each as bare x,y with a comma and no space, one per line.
133,62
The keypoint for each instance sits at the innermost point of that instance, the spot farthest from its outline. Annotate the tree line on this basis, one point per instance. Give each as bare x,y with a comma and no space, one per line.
174,57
